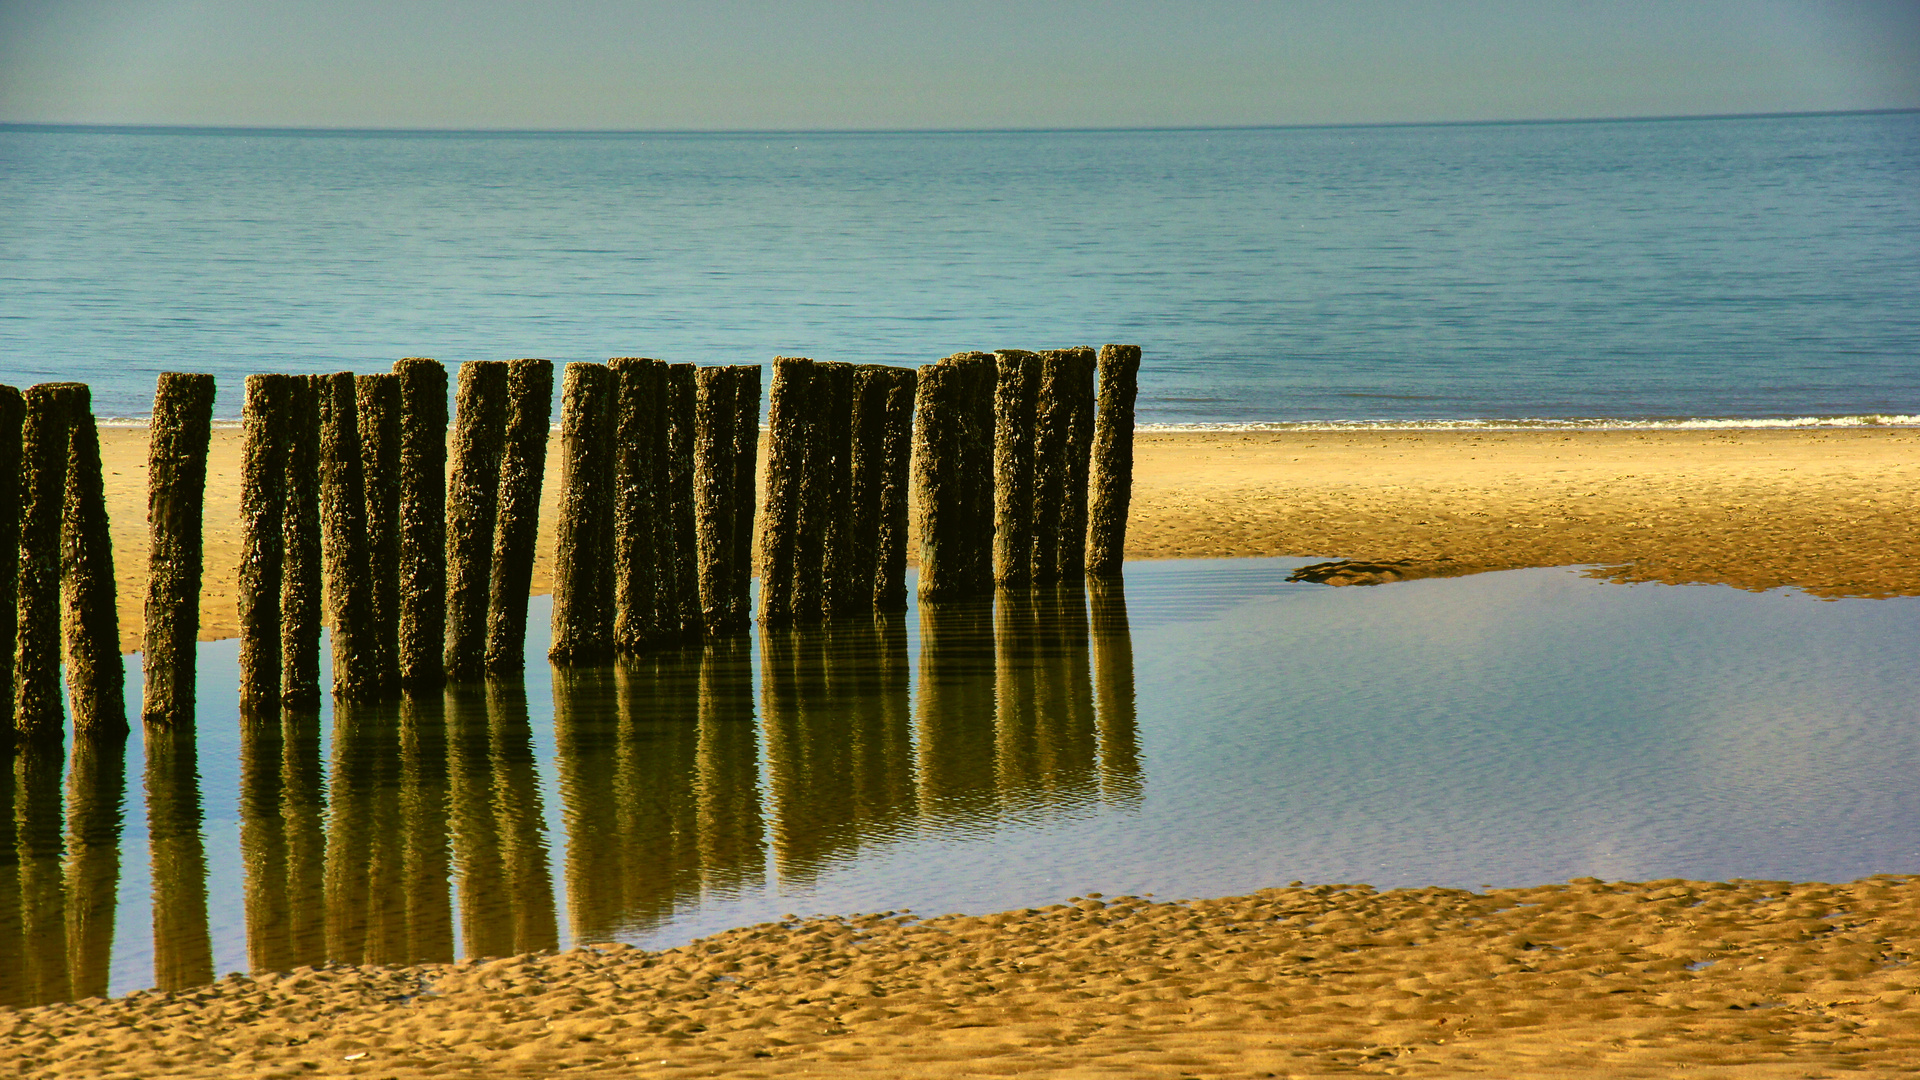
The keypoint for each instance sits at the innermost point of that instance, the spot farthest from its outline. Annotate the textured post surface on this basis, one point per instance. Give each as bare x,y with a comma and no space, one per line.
714,504
1052,428
786,462
343,540
953,475
300,546
833,417
178,438
639,393
473,490
890,531
13,419
867,479
263,483
582,569
682,550
1072,564
523,462
95,677
377,399
1112,481
422,634
746,464
1016,391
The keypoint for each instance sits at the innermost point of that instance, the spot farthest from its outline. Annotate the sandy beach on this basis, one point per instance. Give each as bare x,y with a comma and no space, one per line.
1585,979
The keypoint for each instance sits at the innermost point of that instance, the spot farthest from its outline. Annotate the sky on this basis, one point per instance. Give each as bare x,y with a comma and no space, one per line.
852,64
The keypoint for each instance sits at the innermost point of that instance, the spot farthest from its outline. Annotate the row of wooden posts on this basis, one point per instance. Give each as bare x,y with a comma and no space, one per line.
420,560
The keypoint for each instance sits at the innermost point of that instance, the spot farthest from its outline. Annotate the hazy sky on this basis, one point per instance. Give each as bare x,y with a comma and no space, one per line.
984,63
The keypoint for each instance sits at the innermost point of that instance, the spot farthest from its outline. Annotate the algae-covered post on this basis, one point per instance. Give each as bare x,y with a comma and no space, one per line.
43,493
953,475
421,636
890,537
1112,482
473,497
639,390
95,675
787,431
682,547
714,504
746,461
1062,438
343,540
300,538
1016,391
832,488
377,397
263,483
523,462
178,438
13,418
1073,519
867,483
582,599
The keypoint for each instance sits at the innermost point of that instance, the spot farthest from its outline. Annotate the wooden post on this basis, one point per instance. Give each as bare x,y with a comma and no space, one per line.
1052,423
96,678
343,541
639,396
787,428
177,443
746,463
377,398
523,463
1073,519
473,494
582,574
300,546
422,632
263,481
1112,484
953,475
890,531
682,547
43,488
1016,391
860,566
841,590
13,419
714,504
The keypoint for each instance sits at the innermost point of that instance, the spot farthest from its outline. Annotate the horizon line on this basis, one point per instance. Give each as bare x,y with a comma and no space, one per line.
258,129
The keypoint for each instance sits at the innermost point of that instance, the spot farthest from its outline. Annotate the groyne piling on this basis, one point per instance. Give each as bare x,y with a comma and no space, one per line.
840,589
43,486
263,495
523,462
890,528
300,547
13,418
787,417
867,481
714,467
681,545
1111,486
178,439
473,489
638,437
377,398
95,676
343,540
582,574
816,471
1016,391
422,631
1072,562
746,463
953,475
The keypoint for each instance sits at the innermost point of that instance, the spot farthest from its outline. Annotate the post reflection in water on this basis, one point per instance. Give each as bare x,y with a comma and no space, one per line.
96,781
182,943
499,833
37,765
954,712
1120,781
732,834
1045,745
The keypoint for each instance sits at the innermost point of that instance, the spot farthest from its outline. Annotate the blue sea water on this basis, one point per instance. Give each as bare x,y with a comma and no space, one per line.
1743,268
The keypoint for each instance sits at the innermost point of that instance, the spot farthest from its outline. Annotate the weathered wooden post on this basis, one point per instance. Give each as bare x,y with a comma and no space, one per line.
300,545
177,443
43,492
473,493
343,540
953,475
422,634
1073,520
890,535
830,497
582,574
746,464
1016,391
682,546
96,678
639,395
523,463
377,399
263,496
714,504
1112,483
13,419
1052,423
860,565
787,431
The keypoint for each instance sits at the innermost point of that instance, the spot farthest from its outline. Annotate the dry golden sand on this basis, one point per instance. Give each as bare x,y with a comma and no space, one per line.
1668,978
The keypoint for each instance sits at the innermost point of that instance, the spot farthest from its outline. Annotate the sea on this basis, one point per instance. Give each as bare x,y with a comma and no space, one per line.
1744,271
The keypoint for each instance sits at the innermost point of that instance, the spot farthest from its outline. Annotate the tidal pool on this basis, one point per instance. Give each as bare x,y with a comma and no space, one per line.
1208,730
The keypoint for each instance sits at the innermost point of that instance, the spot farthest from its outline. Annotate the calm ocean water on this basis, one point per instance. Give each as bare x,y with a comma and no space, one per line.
1729,268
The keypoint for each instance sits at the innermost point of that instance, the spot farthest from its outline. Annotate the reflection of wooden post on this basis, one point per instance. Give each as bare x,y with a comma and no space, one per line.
37,765
263,491
714,504
365,907
303,807
182,946
13,418
953,476
954,710
582,574
787,429
96,787
587,747
473,500
176,488
95,673
841,589
859,557
682,547
746,462
422,633
1016,389
523,462
343,540
300,539
1112,482
13,962
731,832
263,838
523,836
43,487
1120,780
423,814
377,398
890,536
1073,521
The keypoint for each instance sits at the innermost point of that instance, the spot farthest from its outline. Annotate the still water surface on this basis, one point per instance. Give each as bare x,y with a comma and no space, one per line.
1212,729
